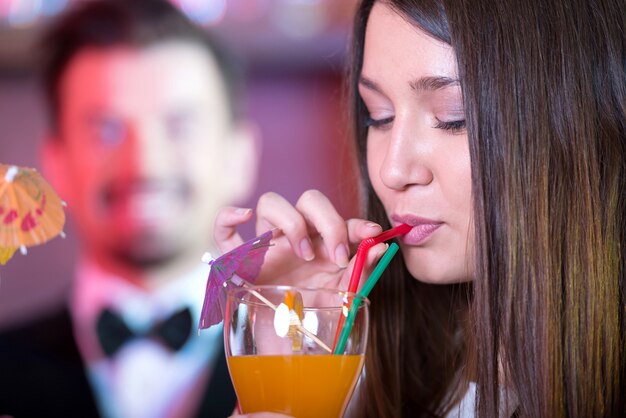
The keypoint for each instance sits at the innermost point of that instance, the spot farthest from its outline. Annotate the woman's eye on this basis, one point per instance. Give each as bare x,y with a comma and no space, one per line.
377,123
452,125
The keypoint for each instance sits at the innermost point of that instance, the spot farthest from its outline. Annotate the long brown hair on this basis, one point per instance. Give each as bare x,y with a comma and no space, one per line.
544,86
417,345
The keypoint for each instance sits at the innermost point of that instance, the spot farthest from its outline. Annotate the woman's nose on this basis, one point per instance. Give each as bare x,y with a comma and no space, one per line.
406,158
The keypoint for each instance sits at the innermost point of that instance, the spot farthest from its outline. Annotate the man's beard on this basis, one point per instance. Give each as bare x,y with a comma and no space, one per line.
146,242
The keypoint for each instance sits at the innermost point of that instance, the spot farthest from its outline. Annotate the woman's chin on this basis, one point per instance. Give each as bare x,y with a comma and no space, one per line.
430,277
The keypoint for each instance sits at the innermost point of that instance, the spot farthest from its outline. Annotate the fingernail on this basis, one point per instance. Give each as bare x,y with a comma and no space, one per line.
306,250
373,225
243,211
341,256
378,251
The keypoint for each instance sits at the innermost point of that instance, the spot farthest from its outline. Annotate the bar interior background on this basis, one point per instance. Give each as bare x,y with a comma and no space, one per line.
294,52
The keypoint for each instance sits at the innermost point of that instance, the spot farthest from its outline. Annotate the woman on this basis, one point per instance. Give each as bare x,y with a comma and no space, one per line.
497,129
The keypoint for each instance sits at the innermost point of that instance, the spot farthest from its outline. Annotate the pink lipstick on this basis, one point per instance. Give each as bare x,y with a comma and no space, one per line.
421,228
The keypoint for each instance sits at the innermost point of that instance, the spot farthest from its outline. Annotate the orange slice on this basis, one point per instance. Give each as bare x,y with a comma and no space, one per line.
293,300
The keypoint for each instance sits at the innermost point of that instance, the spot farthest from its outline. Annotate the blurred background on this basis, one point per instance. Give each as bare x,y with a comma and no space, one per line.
294,52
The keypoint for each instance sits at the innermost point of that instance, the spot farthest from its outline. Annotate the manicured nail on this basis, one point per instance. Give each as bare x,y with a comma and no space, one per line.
373,225
242,211
377,252
306,249
341,256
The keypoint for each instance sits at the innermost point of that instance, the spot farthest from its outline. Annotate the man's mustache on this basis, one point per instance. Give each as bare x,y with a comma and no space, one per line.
118,191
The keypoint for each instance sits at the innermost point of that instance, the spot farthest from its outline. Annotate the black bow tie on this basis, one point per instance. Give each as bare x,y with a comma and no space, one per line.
113,332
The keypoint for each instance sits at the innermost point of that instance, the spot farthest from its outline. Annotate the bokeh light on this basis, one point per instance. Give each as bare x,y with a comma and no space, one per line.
300,19
293,18
24,12
53,7
204,12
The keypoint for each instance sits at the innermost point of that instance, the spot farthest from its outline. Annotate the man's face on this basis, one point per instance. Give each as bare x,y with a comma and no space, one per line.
148,150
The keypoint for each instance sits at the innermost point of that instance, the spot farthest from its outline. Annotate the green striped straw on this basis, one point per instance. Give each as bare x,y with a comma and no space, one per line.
365,290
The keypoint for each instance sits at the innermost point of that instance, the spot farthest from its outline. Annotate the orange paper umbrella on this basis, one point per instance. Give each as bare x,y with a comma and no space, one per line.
31,212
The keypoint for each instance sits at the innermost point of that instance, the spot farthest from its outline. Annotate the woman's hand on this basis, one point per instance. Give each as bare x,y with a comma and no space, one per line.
312,242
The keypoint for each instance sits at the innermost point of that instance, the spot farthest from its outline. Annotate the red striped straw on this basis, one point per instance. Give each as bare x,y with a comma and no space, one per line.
361,255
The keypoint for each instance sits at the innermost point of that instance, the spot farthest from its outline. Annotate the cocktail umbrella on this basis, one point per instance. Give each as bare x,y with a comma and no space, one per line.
31,212
243,262
240,267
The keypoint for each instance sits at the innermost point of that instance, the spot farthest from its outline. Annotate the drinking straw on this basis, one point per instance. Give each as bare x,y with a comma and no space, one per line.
361,255
363,293
364,247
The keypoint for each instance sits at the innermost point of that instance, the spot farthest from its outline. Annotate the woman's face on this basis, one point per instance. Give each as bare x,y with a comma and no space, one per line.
417,150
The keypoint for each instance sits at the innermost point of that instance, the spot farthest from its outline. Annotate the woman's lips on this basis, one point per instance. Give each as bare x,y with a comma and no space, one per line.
421,230
420,233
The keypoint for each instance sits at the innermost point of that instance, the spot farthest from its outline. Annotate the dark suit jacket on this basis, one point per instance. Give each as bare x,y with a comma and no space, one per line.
42,374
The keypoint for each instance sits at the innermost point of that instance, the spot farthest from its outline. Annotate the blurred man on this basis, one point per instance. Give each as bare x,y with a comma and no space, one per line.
145,144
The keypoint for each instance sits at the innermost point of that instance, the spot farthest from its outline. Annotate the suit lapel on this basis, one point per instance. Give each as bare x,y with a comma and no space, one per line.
42,370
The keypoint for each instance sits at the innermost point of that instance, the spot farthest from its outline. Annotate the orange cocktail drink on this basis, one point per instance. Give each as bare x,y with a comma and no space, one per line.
279,349
302,386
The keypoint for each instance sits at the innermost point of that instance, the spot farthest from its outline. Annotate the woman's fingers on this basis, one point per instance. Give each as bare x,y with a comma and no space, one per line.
360,229
374,254
274,211
313,217
225,229
322,216
312,225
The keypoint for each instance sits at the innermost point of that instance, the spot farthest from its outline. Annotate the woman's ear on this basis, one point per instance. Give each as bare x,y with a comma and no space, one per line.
244,155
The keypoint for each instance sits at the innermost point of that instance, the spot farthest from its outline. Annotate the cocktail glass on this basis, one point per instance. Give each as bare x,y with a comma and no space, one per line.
279,343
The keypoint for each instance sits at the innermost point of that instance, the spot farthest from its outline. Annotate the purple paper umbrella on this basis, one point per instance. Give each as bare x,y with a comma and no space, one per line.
245,261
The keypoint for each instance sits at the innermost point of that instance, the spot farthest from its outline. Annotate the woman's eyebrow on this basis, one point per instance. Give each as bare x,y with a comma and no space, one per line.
429,83
369,84
433,83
